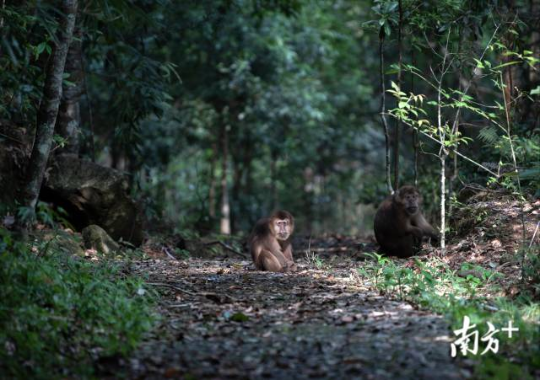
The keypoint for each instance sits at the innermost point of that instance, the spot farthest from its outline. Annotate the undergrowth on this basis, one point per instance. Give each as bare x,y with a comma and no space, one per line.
60,312
432,285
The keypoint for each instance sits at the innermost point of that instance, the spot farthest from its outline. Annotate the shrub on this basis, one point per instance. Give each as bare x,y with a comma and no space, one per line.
59,312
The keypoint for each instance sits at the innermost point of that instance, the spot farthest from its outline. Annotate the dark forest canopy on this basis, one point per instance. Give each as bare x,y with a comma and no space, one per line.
260,104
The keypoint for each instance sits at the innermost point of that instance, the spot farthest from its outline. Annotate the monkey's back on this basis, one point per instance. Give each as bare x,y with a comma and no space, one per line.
258,235
389,232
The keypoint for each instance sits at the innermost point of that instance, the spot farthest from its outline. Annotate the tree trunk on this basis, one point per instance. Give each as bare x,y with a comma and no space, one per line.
234,198
533,112
69,116
242,162
442,158
534,75
383,112
509,41
212,187
416,142
308,199
273,184
48,110
2,26
397,136
225,224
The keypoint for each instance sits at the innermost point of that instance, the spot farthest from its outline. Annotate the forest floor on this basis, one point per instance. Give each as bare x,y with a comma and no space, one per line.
220,318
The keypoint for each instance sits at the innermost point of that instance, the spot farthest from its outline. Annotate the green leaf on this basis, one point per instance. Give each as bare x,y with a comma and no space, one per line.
387,29
506,64
239,317
479,64
41,47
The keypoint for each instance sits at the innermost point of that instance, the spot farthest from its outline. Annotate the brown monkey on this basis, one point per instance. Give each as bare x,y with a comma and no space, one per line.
399,223
270,245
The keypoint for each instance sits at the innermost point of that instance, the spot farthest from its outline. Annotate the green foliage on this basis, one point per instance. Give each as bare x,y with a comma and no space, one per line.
293,84
59,312
288,92
531,268
27,33
128,78
387,17
489,135
44,214
315,260
430,284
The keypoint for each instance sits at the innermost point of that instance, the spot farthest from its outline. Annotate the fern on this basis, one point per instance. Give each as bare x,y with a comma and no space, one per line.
489,135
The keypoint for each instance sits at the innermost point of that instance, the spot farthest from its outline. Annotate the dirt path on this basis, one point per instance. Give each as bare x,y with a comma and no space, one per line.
222,319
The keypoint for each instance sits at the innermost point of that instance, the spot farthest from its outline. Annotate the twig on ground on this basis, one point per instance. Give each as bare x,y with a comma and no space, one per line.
534,234
333,249
164,249
172,286
202,294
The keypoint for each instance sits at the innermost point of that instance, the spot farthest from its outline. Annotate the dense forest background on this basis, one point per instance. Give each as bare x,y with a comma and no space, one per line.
222,111
168,128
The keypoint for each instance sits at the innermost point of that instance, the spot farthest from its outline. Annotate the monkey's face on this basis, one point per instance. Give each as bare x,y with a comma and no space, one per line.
282,228
410,199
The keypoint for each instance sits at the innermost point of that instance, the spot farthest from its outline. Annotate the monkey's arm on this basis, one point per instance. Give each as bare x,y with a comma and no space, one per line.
288,253
291,266
412,229
425,227
280,256
272,249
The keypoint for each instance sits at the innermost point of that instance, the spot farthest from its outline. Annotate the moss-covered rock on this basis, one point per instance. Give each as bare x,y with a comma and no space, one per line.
96,238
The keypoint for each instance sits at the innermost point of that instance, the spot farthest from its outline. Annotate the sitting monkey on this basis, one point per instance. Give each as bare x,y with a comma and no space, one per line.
270,245
399,224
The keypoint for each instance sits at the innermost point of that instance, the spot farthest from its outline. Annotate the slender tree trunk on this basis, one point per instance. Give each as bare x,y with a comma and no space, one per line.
273,178
397,136
212,187
91,138
534,75
69,115
455,131
237,172
2,26
508,40
383,112
416,142
443,151
241,167
308,199
48,110
225,224
443,202
443,154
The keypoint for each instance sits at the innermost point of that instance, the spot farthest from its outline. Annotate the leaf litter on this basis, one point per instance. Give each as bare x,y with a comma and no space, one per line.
222,319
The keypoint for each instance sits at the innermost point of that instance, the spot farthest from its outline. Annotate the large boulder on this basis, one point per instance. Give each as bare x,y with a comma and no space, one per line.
93,194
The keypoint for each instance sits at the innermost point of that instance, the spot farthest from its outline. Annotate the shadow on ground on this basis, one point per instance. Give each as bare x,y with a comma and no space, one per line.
222,319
